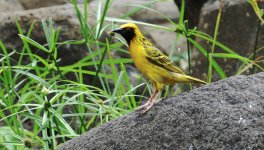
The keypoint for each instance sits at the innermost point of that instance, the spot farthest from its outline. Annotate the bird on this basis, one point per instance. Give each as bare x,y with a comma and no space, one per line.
152,62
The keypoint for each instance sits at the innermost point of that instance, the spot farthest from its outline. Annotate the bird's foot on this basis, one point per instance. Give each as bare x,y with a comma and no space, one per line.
149,103
146,106
142,106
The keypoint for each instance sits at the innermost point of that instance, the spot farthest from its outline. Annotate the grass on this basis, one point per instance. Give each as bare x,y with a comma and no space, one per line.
60,109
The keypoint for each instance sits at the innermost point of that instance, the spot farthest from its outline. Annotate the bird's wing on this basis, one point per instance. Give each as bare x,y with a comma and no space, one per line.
156,57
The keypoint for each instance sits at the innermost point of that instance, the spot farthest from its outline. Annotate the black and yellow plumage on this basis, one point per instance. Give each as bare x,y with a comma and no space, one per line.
154,64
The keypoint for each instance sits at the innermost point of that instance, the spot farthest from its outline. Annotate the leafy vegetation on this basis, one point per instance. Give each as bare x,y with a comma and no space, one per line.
58,108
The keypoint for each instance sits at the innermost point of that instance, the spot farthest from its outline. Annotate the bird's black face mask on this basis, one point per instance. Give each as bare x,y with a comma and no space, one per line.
128,33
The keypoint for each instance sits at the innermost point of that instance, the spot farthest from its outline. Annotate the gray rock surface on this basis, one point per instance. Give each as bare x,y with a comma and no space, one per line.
227,114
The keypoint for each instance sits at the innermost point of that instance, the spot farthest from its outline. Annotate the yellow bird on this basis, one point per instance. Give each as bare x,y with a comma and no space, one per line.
149,60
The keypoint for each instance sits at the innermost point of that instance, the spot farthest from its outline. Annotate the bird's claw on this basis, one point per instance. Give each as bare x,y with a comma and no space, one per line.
149,103
145,107
141,107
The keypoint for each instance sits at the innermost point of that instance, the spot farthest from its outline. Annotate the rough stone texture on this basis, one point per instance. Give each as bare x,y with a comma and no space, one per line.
9,6
237,30
227,114
32,4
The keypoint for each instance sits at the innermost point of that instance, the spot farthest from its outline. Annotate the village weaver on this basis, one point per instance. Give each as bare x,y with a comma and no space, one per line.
149,60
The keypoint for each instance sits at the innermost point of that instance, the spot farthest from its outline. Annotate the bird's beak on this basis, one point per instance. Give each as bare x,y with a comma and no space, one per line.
112,33
118,30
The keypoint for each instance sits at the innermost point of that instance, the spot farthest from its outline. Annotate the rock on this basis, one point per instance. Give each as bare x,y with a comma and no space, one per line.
32,4
227,114
9,6
240,37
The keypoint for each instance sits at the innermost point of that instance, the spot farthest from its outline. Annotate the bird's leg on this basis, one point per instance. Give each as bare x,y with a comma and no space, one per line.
151,101
147,103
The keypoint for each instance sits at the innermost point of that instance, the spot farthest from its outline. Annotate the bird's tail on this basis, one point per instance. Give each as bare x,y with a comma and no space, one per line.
195,80
182,78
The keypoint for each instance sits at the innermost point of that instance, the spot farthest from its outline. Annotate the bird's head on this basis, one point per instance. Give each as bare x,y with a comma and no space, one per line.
128,31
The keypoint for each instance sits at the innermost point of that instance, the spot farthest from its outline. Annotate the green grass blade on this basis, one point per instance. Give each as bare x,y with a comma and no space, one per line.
218,69
43,82
209,74
34,43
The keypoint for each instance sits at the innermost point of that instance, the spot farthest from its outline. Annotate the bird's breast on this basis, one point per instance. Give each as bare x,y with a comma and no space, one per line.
138,55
